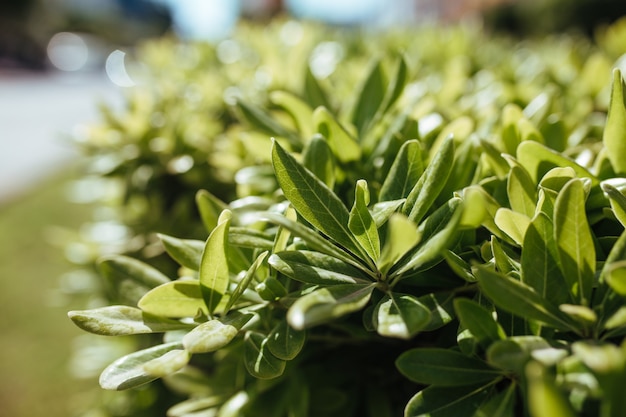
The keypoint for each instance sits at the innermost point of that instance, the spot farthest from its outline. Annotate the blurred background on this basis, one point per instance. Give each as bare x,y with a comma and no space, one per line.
59,59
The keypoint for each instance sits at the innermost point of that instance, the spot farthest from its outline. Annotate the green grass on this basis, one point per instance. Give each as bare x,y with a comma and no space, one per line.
36,335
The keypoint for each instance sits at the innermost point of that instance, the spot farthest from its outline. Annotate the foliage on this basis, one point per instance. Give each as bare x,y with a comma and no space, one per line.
444,237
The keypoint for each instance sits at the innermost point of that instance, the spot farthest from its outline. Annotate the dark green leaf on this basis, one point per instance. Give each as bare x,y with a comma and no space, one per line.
518,298
316,268
479,321
443,367
313,199
370,98
119,268
407,168
618,202
500,405
259,361
318,158
313,90
262,121
430,184
285,342
243,284
447,401
441,309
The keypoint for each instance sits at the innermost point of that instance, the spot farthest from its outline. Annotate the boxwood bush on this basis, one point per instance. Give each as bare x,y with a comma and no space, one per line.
326,223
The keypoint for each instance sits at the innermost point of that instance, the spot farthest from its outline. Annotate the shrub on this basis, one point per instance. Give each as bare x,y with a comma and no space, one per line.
443,237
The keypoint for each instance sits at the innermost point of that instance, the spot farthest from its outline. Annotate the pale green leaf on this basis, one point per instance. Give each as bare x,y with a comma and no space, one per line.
344,147
479,321
312,199
400,316
496,161
122,320
316,268
285,342
214,275
326,304
262,121
210,208
214,334
521,190
575,248
243,284
174,299
423,194
438,401
165,365
186,252
617,201
193,405
370,98
300,111
402,236
516,297
318,158
444,367
313,91
407,168
127,372
545,399
512,354
383,210
361,223
510,136
615,276
258,359
512,223
614,137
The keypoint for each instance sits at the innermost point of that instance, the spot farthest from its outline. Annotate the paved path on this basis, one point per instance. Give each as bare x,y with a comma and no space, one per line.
37,112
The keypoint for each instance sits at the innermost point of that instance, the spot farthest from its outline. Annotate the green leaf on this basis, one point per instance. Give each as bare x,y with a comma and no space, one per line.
615,276
438,232
575,248
443,367
258,359
382,211
437,401
326,304
430,184
511,114
512,354
344,147
479,321
214,275
544,397
500,405
245,237
188,407
361,223
243,284
174,299
316,268
496,160
210,208
318,158
441,309
401,316
123,272
522,191
122,320
313,90
165,365
512,223
407,168
617,201
285,342
370,98
538,159
263,122
614,137
214,334
402,236
128,372
516,297
540,268
312,239
300,111
186,252
395,86
312,199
